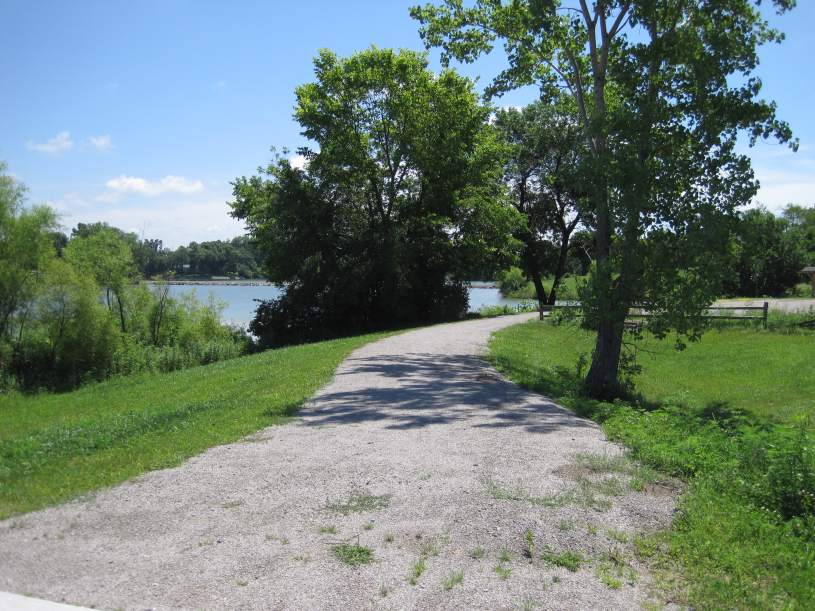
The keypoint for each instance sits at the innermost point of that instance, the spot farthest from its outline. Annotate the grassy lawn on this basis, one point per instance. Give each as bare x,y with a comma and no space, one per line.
731,415
567,290
56,446
771,375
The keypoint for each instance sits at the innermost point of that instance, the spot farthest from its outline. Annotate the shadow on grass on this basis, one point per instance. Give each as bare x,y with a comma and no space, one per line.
567,387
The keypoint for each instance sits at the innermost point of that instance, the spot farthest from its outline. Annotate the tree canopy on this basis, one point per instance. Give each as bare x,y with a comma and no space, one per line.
401,195
663,89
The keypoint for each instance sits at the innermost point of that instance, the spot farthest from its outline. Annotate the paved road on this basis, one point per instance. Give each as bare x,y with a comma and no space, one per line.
444,457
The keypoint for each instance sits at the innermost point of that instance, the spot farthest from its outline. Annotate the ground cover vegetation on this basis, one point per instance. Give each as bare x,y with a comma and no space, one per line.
54,447
731,415
72,311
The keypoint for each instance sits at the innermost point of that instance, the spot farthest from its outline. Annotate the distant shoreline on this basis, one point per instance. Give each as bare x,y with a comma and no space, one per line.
475,284
212,282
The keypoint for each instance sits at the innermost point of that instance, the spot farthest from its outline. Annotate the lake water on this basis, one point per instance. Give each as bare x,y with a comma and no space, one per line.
240,300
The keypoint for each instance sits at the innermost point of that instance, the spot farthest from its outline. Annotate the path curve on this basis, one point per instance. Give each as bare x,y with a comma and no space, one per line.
418,419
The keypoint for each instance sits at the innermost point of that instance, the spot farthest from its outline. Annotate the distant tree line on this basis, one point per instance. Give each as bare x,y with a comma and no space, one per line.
237,258
72,309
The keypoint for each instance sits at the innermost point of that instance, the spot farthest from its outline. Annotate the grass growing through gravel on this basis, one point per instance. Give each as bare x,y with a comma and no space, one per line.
57,446
416,570
353,554
359,502
455,578
568,560
726,416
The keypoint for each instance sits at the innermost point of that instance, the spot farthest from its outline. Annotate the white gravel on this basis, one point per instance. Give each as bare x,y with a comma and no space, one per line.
418,418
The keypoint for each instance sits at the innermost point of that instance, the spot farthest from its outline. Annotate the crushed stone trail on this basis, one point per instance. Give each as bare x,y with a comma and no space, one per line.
441,454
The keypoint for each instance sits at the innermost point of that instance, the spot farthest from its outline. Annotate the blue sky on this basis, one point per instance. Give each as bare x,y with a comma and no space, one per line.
140,113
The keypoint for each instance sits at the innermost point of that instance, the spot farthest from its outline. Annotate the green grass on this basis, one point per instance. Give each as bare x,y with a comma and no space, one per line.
771,375
568,288
568,560
54,447
416,570
353,554
726,416
455,578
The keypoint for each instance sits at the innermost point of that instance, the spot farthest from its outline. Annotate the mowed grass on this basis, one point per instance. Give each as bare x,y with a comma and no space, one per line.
55,447
771,375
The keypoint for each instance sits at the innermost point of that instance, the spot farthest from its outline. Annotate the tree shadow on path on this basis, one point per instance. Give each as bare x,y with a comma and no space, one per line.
418,390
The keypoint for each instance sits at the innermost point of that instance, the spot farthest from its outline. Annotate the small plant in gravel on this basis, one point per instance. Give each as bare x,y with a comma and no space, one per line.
384,590
591,529
389,537
416,570
565,525
242,583
502,571
280,539
455,578
429,548
328,529
477,552
529,544
359,502
368,526
504,555
353,554
568,560
620,536
302,557
528,605
232,504
614,569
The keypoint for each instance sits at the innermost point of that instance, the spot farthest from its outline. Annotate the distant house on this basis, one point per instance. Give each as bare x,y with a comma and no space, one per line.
810,271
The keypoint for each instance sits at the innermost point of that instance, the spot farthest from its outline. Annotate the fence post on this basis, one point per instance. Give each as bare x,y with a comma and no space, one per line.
764,314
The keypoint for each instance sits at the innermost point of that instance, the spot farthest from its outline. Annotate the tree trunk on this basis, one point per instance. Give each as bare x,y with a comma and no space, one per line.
560,271
533,271
121,312
602,381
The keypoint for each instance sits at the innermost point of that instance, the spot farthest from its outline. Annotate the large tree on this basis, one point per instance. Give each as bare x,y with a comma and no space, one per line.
400,196
544,175
663,89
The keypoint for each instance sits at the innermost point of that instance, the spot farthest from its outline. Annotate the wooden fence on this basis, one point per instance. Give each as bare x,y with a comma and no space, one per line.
638,312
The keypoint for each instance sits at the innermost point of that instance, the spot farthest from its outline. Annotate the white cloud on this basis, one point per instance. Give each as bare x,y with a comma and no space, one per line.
785,177
58,144
101,143
175,224
298,162
168,184
782,187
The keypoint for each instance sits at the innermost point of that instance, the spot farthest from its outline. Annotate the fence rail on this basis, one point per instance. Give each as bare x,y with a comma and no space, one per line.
763,309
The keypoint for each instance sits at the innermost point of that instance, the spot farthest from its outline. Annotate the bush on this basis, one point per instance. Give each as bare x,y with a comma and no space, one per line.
511,281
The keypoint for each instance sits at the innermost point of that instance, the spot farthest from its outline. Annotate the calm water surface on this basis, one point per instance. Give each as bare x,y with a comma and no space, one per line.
240,300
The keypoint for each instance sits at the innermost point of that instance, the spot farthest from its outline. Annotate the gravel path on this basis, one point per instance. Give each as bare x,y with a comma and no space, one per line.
442,455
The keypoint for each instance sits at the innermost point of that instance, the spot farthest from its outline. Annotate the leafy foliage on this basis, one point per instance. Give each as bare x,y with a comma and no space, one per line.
769,255
71,311
663,90
400,199
545,175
